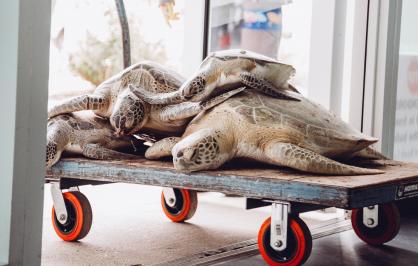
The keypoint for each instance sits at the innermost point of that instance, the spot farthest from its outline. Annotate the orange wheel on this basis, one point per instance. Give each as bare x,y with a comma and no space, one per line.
184,208
79,220
298,248
387,228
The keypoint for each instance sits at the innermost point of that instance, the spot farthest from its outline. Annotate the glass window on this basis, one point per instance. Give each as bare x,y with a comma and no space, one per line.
406,125
86,42
279,29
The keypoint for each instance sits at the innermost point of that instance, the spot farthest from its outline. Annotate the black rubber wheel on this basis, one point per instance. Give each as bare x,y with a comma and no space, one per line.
185,207
387,228
79,220
299,244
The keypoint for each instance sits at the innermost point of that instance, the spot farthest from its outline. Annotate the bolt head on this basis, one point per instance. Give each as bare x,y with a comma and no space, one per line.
62,217
370,221
370,207
278,244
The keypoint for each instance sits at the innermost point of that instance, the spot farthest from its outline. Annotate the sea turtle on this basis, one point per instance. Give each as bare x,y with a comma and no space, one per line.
89,135
128,113
296,134
113,95
230,69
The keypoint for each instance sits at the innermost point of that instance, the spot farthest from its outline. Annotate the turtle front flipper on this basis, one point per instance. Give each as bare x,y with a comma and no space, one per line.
79,103
190,109
99,152
262,85
290,155
157,98
161,148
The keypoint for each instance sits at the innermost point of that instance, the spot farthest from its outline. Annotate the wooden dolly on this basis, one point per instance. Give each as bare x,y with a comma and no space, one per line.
283,239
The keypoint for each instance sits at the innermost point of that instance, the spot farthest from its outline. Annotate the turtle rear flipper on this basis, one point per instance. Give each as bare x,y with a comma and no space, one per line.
370,153
79,103
290,155
97,151
259,84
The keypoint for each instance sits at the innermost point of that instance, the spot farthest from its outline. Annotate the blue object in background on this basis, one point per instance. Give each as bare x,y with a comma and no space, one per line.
263,20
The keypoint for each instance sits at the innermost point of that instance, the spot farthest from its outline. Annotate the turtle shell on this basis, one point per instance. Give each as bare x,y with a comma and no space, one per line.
239,53
320,130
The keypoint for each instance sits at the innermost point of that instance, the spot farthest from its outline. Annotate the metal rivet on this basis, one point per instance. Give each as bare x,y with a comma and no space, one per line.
278,244
62,217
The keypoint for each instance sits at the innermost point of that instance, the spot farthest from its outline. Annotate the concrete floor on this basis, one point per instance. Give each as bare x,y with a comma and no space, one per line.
129,228
347,249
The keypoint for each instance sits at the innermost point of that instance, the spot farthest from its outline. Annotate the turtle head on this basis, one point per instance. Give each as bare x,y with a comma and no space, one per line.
129,114
198,88
202,150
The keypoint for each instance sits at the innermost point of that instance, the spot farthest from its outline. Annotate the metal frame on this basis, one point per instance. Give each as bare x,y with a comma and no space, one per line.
169,196
206,30
381,71
371,216
278,226
59,203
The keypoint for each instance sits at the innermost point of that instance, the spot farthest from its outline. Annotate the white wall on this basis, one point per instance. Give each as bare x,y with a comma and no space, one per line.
8,72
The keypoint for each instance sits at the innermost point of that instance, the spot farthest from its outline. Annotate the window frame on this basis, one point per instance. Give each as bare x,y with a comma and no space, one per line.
382,72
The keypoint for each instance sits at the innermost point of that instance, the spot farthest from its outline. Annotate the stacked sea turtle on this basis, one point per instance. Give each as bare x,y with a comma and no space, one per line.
268,122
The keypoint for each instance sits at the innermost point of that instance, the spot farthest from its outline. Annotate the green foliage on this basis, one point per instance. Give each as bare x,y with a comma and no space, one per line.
97,59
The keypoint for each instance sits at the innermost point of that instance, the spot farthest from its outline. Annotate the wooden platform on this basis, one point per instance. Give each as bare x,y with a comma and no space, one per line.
255,180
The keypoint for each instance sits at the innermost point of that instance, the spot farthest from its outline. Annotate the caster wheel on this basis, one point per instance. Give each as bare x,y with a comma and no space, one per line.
299,244
80,217
387,228
184,208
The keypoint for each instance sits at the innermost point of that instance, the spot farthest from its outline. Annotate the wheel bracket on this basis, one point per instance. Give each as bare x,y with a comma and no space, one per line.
59,203
278,229
371,216
169,196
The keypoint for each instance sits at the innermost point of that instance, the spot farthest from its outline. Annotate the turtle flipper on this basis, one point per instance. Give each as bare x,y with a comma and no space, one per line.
290,155
262,85
79,103
370,153
97,151
157,98
190,109
161,148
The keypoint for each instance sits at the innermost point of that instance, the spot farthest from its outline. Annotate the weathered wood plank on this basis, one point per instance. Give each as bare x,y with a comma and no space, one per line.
250,180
